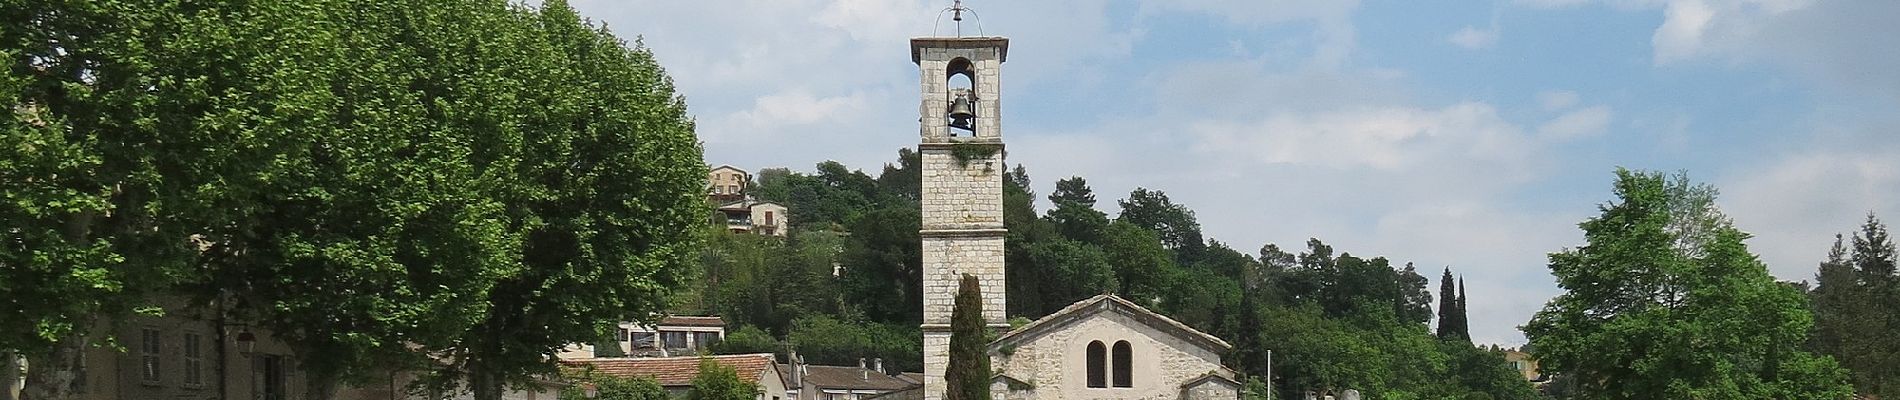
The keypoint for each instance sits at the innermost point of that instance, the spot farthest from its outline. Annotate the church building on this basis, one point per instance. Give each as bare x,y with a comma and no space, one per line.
1101,347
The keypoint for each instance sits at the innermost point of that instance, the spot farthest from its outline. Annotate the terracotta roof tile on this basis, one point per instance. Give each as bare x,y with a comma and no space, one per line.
853,378
693,321
675,371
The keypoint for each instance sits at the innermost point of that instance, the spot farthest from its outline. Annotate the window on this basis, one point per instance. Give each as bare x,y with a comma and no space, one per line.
272,369
621,334
642,340
705,339
1097,359
194,359
79,374
149,346
673,340
1123,365
768,218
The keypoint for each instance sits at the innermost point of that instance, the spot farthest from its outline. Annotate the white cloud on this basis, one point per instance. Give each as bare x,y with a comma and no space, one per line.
1588,121
1794,201
1795,205
1381,138
1684,24
1473,38
1553,100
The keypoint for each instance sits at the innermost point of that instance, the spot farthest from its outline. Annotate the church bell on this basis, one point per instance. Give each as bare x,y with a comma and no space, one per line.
961,112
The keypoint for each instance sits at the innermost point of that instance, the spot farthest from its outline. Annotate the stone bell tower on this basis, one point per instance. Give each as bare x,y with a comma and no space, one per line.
962,151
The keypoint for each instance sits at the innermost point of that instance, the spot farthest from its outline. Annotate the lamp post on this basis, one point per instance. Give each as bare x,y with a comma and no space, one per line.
246,342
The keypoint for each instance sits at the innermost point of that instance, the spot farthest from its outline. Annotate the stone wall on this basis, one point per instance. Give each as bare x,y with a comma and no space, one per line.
1055,363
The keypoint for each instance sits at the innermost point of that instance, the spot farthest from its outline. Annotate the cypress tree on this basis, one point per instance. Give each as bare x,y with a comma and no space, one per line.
1464,314
1447,303
1452,322
969,370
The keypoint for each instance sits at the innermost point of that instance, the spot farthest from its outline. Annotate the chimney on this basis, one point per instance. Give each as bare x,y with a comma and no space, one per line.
866,372
878,365
798,369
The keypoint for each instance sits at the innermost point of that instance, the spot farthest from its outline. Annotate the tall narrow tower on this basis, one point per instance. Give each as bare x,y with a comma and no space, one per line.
962,150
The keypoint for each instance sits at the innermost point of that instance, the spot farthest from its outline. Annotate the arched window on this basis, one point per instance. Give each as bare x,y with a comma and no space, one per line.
1098,365
960,96
1124,365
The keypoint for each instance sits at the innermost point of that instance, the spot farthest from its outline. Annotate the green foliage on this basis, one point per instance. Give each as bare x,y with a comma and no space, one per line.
966,152
747,340
609,387
1665,301
1175,223
1453,323
825,340
720,382
967,376
1855,294
883,265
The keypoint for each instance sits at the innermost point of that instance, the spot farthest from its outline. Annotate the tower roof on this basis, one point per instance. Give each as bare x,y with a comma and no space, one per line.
917,44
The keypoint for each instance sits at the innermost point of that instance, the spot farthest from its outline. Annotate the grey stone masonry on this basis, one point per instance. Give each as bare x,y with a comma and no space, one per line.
962,182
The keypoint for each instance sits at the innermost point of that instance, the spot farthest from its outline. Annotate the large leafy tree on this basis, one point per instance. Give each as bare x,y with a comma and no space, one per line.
1175,223
607,213
1665,301
102,108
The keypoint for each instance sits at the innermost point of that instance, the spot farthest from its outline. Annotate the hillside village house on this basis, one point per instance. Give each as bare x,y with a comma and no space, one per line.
726,184
672,336
750,216
727,187
676,374
824,382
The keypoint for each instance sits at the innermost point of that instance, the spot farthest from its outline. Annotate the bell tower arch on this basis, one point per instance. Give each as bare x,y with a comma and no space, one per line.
961,147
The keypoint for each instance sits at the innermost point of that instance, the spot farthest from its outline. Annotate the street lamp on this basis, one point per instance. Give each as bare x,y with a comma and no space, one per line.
246,342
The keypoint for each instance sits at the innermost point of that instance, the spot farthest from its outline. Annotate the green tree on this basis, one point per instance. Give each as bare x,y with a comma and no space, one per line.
1077,271
608,206
1175,223
1144,269
609,387
1073,190
747,340
104,105
1664,300
826,340
967,377
883,265
1856,293
720,382
1452,325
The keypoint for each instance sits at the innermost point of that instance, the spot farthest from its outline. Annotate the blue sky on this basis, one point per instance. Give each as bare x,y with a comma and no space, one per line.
1474,135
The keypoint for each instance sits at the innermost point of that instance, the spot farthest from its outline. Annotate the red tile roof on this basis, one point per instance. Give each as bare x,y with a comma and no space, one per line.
692,321
675,371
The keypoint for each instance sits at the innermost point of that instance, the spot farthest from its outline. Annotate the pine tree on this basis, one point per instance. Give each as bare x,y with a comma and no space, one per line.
969,370
1873,359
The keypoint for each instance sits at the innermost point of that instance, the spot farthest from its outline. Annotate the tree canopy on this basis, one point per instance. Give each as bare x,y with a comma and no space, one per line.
367,179
1665,301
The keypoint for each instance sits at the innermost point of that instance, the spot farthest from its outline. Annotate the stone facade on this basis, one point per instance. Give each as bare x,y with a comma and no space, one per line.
1049,357
962,182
